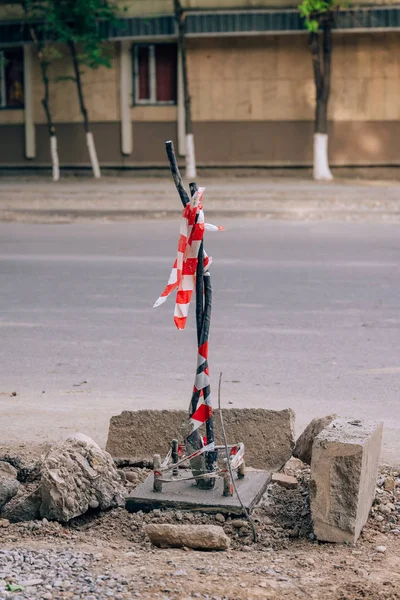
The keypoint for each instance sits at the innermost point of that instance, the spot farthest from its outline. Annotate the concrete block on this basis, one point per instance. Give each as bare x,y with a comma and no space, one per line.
304,444
185,495
344,469
268,435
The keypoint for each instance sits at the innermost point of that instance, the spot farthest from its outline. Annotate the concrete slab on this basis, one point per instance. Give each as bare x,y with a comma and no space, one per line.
185,495
268,435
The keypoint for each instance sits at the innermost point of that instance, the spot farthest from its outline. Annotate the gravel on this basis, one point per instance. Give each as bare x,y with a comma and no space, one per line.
61,568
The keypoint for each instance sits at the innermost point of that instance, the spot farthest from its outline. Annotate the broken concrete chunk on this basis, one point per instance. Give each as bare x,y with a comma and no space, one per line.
75,475
239,523
84,439
7,470
344,470
24,507
8,489
131,476
304,444
8,483
268,435
197,537
389,484
285,481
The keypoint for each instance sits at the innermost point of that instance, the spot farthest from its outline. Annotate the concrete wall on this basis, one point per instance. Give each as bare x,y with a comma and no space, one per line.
270,78
253,104
100,88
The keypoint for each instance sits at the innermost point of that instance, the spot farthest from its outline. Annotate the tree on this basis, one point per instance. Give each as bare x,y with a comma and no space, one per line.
44,53
320,17
190,153
81,25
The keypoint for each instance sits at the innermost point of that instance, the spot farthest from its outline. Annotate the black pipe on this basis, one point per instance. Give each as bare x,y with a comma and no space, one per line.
173,165
203,318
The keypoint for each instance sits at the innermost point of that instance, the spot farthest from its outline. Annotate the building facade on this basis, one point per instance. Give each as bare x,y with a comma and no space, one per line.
251,83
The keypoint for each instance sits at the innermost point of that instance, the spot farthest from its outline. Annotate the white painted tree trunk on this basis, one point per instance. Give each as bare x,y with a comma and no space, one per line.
190,157
54,158
93,155
322,171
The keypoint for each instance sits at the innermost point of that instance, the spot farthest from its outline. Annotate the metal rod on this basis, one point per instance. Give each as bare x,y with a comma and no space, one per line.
175,458
157,484
232,480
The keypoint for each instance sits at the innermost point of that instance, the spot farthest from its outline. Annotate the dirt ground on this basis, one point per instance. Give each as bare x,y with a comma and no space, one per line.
285,562
304,570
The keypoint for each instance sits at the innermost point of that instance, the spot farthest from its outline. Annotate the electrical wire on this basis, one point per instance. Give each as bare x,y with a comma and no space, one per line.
245,511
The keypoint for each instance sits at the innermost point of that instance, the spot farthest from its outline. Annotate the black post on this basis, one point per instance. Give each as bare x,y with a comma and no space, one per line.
205,462
175,457
203,319
173,165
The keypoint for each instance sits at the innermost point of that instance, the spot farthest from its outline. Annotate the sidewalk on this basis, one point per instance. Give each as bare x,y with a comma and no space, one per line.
38,200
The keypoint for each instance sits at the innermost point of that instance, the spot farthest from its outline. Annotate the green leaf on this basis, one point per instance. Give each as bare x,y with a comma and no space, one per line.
13,587
313,25
314,10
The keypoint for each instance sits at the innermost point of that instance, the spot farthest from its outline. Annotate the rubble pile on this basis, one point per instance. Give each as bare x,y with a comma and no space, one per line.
282,515
385,511
108,552
76,491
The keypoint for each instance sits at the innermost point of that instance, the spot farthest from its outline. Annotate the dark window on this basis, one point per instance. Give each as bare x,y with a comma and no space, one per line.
165,55
155,73
11,78
144,74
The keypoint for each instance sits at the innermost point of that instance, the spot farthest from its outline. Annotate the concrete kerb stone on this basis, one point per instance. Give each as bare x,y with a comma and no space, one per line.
344,470
268,435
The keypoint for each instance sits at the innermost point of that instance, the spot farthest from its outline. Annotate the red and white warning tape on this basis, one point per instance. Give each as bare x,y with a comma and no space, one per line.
183,274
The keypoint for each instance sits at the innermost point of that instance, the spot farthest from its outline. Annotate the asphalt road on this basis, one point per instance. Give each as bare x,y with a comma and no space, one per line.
305,315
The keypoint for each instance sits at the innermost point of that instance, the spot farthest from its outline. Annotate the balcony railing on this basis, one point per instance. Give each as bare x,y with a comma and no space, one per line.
223,23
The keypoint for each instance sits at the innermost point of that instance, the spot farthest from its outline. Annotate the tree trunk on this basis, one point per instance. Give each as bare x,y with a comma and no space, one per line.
190,152
322,76
89,136
55,165
45,100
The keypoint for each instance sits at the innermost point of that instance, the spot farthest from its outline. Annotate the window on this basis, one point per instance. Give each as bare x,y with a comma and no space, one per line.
11,78
155,78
